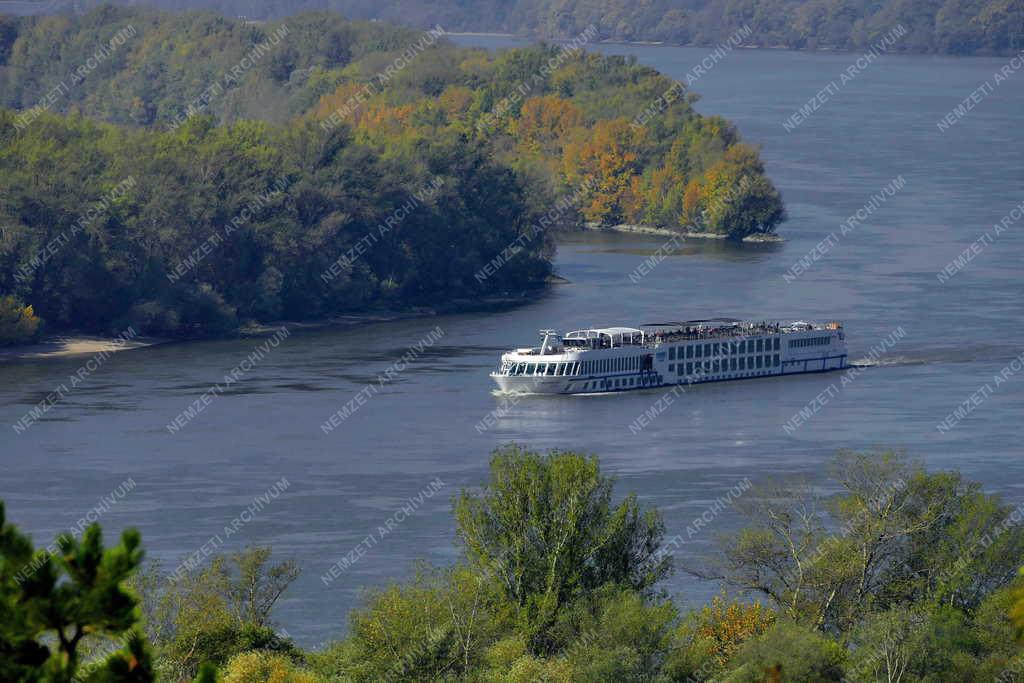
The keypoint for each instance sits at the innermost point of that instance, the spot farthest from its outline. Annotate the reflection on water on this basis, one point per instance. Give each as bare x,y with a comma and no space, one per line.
424,423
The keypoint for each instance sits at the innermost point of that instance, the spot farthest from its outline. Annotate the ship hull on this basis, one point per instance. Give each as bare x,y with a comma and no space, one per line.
600,385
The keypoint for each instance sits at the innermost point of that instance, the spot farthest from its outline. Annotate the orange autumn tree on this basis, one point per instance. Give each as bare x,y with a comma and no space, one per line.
380,121
545,123
343,102
609,159
725,626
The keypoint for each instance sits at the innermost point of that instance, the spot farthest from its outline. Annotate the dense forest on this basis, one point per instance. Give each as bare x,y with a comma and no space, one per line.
214,194
951,26
887,572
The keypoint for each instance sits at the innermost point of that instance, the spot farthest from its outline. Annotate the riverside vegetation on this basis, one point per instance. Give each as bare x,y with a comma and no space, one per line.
898,574
175,192
963,27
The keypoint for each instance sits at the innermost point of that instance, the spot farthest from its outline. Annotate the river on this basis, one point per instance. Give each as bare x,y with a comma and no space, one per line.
330,493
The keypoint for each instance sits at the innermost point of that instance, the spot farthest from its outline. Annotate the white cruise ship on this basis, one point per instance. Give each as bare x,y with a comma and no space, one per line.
660,354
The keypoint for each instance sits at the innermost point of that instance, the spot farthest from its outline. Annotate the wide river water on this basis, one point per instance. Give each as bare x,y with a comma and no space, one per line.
344,485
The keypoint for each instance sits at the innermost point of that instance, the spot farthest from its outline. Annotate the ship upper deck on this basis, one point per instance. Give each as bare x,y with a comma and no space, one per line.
652,335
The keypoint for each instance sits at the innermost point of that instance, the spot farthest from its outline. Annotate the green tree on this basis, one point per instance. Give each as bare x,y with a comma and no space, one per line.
894,534
216,612
787,653
442,622
52,604
546,527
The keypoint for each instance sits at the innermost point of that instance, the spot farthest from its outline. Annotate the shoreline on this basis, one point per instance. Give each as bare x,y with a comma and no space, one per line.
707,46
71,344
665,232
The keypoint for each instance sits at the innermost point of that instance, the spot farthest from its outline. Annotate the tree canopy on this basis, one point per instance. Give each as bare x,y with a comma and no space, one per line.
892,573
966,27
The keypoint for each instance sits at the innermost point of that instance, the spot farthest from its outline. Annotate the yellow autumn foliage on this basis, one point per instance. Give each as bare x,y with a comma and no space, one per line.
18,322
265,667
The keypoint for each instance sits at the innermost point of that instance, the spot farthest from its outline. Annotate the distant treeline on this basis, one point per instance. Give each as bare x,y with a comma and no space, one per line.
188,216
961,27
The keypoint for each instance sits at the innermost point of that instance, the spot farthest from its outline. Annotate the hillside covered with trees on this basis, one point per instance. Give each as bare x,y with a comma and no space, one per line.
215,194
949,27
888,572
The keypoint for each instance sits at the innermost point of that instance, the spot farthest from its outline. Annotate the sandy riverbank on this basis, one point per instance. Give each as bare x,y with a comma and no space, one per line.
71,345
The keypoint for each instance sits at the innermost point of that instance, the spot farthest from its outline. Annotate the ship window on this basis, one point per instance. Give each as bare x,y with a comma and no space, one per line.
672,353
700,351
775,360
689,368
760,345
707,349
743,363
776,344
715,366
689,352
671,367
714,349
550,369
732,364
758,361
531,368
